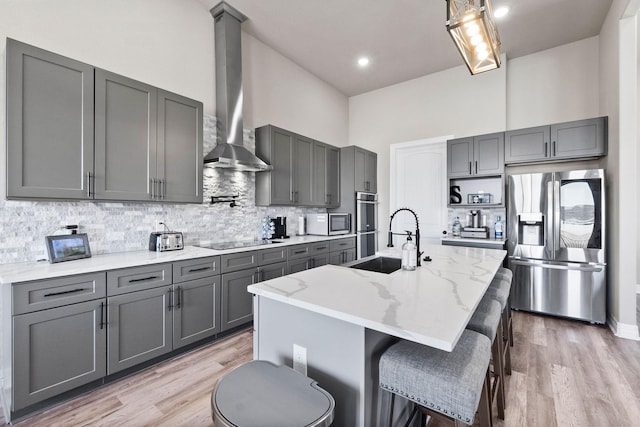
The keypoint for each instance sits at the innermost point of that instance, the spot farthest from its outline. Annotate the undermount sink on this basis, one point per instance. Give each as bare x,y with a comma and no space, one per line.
380,264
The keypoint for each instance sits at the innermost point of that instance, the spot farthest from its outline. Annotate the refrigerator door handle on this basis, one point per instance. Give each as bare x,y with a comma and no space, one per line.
556,215
549,241
585,268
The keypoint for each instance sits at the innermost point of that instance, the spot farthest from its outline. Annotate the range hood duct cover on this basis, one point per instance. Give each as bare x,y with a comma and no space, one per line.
230,151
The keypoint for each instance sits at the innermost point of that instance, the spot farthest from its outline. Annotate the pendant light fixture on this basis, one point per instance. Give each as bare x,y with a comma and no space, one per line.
472,28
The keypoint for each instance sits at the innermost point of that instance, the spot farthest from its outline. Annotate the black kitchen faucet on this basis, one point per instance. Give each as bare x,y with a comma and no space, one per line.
417,234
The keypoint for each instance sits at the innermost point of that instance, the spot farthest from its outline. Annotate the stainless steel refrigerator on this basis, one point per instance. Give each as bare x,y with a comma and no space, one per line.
556,243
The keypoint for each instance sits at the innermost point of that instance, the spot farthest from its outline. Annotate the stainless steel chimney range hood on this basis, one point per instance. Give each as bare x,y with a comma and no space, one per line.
230,151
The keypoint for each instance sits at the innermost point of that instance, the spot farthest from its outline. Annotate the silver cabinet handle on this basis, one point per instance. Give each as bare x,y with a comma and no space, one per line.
88,184
545,148
179,298
102,323
170,292
152,187
476,167
554,149
162,188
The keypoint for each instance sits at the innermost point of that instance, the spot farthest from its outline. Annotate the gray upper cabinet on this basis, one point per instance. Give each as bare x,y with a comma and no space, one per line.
305,172
476,156
125,138
78,132
365,169
326,167
179,148
563,141
49,124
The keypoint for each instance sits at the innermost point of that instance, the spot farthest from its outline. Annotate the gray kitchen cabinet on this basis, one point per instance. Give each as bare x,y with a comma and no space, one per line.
148,142
303,171
196,312
358,172
297,265
179,148
326,180
476,156
49,124
562,141
126,280
57,350
365,170
276,147
342,250
307,256
271,256
237,302
272,271
239,261
139,327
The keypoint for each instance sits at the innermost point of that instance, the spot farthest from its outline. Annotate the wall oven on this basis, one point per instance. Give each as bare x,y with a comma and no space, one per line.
366,224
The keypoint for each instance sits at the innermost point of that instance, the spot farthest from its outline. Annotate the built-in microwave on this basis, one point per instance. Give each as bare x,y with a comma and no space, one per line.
328,224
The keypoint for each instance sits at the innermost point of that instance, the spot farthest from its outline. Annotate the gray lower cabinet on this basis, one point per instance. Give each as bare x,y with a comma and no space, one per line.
272,271
139,327
342,250
306,256
196,313
237,302
562,141
57,350
49,98
297,265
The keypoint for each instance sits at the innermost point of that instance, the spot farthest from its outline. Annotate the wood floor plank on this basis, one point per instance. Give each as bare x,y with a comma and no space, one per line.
564,373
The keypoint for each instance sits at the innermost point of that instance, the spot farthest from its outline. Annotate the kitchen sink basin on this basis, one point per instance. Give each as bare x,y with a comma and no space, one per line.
380,264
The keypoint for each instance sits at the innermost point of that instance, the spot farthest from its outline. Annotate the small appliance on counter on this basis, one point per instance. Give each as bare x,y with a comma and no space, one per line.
162,241
328,224
476,226
280,227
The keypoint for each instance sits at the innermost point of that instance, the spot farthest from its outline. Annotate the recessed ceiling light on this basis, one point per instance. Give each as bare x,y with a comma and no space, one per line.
363,61
500,12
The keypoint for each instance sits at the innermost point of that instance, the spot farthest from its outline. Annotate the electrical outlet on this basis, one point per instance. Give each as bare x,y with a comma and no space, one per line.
300,359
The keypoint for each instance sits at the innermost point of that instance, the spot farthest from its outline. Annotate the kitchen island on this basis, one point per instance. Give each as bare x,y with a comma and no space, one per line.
345,318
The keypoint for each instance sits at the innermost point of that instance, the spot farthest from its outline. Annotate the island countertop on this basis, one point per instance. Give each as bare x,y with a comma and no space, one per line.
431,305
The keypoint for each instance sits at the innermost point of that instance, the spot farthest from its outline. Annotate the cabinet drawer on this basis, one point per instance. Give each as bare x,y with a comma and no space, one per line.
138,278
298,251
239,261
319,248
195,269
271,256
340,244
50,293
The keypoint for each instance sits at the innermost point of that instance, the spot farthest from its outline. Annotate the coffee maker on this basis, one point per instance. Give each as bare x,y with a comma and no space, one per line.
476,225
280,231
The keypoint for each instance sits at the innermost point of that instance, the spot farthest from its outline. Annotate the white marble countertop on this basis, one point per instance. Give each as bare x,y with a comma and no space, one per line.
26,271
431,305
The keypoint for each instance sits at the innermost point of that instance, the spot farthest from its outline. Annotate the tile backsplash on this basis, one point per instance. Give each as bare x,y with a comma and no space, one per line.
118,227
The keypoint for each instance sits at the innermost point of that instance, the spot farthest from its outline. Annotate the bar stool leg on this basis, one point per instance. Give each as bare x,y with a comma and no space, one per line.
506,347
498,368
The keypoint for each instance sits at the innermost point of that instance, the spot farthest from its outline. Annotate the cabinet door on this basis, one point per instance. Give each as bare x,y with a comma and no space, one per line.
342,257
582,138
49,124
318,260
139,327
488,154
297,265
179,148
320,190
282,161
303,171
459,157
526,145
272,271
333,176
237,302
57,350
371,172
359,169
197,310
125,138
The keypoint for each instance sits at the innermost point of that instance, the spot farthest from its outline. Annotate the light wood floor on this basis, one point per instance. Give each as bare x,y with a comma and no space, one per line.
565,373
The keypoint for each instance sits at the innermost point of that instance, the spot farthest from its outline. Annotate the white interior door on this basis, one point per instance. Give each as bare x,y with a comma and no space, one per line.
419,181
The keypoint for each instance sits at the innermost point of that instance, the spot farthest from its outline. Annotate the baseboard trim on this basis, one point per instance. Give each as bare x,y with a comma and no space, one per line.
623,330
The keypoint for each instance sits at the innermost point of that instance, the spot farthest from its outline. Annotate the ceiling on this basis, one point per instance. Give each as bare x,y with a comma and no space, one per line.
404,39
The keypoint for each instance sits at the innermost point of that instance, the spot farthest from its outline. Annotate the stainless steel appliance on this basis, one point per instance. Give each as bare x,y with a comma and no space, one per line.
280,227
556,243
366,224
162,241
328,224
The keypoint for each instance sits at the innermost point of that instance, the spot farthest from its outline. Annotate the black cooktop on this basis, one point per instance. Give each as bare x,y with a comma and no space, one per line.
234,245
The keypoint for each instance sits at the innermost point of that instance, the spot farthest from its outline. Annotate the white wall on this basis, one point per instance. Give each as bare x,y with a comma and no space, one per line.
555,85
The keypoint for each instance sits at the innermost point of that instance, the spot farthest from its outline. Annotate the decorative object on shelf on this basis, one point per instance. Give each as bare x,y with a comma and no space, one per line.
267,228
479,198
471,26
225,199
455,198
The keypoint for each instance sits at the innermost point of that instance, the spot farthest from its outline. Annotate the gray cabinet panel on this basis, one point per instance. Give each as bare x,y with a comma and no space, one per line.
125,137
303,171
237,302
299,251
583,138
50,293
342,256
270,256
318,260
333,176
341,244
138,278
139,327
179,148
196,314
460,157
275,146
365,169
197,268
239,261
297,265
49,124
319,248
320,190
524,145
488,154
57,350
272,271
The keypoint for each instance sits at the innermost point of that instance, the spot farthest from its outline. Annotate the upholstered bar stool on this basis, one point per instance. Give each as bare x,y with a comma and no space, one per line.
499,290
445,385
487,320
260,393
506,274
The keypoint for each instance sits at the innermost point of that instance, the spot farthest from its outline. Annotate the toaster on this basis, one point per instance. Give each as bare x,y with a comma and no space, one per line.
165,241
